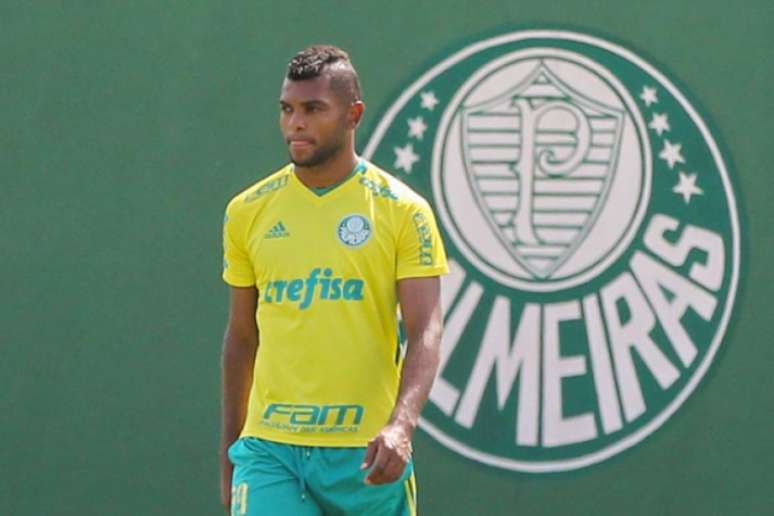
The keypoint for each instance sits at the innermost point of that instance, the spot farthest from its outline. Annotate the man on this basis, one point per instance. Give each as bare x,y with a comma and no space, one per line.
318,417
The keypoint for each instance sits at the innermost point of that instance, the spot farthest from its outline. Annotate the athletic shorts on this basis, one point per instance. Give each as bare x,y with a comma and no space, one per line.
276,479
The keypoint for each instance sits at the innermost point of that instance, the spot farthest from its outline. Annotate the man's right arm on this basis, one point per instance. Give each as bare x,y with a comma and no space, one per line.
239,347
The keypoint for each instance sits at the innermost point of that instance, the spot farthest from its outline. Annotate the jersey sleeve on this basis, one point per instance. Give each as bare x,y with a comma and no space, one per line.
237,269
420,249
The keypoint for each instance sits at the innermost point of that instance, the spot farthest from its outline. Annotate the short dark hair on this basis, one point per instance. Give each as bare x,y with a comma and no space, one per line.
317,60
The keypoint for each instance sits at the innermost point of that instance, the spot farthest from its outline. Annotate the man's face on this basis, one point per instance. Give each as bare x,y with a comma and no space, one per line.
314,120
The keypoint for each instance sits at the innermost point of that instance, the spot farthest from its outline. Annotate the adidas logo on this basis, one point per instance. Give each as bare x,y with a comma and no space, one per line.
278,231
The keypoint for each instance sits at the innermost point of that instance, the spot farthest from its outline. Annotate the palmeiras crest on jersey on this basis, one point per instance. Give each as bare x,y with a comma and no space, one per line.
354,230
593,238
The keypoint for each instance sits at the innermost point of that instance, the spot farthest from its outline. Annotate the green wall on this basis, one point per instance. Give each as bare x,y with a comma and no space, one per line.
124,129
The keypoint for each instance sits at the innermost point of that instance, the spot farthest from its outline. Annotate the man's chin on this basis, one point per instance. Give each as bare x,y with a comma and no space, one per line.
307,161
319,156
302,162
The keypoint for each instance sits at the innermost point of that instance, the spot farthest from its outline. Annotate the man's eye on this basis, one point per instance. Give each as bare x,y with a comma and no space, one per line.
285,109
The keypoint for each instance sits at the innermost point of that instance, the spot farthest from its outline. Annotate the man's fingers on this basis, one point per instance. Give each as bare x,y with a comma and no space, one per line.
379,462
387,470
225,497
394,469
370,454
388,467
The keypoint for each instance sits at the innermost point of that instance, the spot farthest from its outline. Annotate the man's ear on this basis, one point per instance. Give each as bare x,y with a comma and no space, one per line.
356,111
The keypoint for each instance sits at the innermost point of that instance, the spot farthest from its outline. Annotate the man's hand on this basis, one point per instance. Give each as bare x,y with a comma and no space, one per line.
390,451
226,469
387,455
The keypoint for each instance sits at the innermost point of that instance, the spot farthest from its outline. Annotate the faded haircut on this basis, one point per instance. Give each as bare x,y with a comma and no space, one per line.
327,60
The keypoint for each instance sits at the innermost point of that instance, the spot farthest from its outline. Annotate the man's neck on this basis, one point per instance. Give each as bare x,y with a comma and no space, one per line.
329,173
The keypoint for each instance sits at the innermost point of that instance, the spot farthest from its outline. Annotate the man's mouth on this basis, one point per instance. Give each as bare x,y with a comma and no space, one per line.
297,143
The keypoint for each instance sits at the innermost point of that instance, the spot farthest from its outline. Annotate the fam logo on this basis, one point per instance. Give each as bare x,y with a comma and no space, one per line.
593,238
301,418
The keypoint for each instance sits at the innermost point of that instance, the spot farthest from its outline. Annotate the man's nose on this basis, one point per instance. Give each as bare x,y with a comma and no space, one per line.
297,121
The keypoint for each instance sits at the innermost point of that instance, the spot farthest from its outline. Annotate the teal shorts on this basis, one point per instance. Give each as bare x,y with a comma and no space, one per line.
275,479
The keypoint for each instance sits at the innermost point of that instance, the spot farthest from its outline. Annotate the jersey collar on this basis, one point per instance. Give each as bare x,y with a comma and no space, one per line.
324,194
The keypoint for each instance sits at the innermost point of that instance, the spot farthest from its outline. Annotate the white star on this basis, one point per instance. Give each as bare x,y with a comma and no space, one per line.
671,153
429,100
648,96
417,127
687,187
405,157
660,123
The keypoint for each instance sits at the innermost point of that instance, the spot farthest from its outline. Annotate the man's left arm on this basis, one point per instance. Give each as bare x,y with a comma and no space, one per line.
420,304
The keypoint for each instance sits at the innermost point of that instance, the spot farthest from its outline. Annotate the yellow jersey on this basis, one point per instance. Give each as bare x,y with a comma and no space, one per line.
328,365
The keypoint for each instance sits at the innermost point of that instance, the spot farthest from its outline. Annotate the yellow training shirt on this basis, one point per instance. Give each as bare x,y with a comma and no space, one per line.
328,365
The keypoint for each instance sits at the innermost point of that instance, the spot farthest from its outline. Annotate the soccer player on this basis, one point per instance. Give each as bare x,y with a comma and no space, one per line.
320,401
